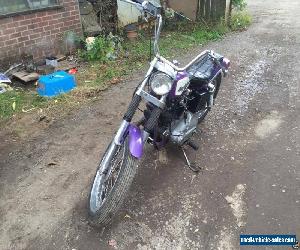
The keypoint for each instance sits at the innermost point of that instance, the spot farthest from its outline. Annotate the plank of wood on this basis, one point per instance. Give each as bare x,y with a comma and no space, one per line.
25,76
221,9
202,9
207,10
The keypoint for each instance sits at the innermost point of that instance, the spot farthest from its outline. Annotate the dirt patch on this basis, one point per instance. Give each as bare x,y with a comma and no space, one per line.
269,125
237,204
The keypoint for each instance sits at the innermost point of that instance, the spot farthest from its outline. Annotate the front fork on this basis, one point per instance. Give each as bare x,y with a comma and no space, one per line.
137,138
125,125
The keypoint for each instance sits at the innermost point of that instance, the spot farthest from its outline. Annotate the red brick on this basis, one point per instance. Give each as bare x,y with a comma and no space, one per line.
37,20
20,29
65,14
42,14
29,43
14,35
35,36
74,13
9,31
57,26
55,31
38,30
57,16
3,38
47,18
26,33
46,33
23,39
11,42
20,45
2,27
70,7
68,23
55,21
46,28
44,23
25,22
31,26
18,18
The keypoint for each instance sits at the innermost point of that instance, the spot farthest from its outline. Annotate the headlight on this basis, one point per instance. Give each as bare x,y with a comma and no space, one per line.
161,83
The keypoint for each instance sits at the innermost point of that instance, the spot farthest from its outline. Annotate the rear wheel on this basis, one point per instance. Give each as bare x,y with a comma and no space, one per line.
110,187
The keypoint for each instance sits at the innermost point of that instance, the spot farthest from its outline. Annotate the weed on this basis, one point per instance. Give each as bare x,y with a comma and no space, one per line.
98,50
240,21
102,48
239,4
18,101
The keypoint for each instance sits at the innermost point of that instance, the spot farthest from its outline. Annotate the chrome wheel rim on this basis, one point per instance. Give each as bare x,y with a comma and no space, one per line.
105,180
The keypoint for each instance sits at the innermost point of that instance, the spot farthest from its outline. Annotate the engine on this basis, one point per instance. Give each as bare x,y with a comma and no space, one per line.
181,117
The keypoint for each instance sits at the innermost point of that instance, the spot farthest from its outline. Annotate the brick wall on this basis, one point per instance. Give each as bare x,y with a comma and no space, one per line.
40,33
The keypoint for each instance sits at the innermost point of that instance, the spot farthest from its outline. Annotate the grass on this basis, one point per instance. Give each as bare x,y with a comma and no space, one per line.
18,101
98,75
240,20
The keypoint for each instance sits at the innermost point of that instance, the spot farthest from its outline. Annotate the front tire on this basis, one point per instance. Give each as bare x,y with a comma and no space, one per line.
102,214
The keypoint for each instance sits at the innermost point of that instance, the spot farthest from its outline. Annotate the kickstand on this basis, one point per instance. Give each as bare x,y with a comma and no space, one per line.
194,168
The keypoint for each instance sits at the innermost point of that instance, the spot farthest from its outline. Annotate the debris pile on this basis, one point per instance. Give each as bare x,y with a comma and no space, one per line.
28,73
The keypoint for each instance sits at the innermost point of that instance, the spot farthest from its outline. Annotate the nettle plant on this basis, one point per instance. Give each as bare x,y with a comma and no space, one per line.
103,48
239,4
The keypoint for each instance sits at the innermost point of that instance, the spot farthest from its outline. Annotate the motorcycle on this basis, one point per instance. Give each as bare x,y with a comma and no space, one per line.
177,100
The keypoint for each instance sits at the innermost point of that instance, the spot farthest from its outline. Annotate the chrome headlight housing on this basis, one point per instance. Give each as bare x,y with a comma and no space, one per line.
161,83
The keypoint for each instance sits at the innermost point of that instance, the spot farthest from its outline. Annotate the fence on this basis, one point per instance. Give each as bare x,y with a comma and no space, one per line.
213,10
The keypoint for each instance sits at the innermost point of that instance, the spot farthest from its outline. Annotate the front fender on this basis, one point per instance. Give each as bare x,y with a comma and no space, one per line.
136,145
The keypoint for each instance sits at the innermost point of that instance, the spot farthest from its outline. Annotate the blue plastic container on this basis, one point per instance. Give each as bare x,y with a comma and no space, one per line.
55,84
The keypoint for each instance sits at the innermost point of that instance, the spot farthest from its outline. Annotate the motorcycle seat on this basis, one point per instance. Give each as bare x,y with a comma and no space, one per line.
202,70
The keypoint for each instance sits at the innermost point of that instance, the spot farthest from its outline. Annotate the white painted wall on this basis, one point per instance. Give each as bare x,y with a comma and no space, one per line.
128,13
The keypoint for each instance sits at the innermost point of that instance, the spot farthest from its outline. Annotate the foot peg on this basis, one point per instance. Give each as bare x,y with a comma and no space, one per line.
193,167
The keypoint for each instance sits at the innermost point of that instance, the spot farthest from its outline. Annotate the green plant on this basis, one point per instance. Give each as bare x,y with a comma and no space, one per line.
102,48
97,49
16,101
240,21
239,4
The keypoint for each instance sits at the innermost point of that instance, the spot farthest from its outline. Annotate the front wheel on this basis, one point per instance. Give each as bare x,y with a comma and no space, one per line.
111,186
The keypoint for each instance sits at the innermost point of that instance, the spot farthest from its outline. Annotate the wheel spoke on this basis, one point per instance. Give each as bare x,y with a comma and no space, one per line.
109,177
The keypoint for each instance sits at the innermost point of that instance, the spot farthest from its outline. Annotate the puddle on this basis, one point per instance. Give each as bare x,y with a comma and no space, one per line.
269,125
